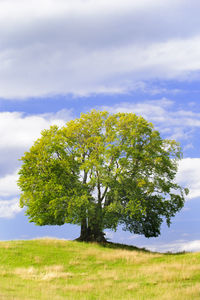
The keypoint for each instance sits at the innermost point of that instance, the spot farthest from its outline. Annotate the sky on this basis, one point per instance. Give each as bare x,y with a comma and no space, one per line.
59,58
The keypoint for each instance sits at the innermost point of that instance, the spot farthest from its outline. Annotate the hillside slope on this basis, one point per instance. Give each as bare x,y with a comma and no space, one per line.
57,269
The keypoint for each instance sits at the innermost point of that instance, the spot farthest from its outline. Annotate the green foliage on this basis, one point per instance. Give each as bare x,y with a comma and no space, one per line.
102,170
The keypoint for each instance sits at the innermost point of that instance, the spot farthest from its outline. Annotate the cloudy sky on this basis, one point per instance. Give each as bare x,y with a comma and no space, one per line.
59,58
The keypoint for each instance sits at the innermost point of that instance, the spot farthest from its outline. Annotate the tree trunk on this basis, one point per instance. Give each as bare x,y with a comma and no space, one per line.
91,233
84,230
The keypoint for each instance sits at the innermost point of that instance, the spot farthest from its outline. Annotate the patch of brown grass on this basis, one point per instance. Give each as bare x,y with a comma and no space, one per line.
129,256
179,292
7,245
51,241
135,257
80,288
77,262
47,273
24,273
170,272
109,274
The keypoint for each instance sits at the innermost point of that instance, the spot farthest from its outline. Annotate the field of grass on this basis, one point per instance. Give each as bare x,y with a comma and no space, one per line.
57,269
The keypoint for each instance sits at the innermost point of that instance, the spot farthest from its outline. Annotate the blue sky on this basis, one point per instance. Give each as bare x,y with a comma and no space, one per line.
61,58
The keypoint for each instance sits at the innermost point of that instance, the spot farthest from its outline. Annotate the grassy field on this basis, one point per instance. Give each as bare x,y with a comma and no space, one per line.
57,269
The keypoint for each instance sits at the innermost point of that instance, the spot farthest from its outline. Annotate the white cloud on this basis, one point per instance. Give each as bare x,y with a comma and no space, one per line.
8,185
9,208
174,123
189,176
153,110
191,246
19,131
92,46
176,246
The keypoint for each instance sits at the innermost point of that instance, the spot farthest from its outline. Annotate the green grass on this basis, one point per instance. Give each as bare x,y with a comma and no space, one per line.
57,269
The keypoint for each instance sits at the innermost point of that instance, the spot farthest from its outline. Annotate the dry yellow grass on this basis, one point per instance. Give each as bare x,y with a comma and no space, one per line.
128,256
80,288
135,257
50,241
167,272
47,273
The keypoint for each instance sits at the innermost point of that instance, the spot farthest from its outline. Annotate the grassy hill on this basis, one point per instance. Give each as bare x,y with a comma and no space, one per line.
57,269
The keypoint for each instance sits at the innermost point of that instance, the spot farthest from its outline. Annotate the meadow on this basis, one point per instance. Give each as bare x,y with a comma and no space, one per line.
58,269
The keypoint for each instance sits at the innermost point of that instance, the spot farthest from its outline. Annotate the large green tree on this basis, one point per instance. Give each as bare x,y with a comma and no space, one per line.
100,171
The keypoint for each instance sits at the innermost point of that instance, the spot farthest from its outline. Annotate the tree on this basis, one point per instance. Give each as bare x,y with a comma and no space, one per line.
100,171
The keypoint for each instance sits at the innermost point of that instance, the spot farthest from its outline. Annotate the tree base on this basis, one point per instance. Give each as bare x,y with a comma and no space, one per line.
100,238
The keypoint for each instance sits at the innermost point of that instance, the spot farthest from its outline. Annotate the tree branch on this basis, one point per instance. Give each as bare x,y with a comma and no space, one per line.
98,187
104,193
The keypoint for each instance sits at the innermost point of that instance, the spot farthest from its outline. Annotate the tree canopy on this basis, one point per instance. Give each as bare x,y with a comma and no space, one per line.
100,171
